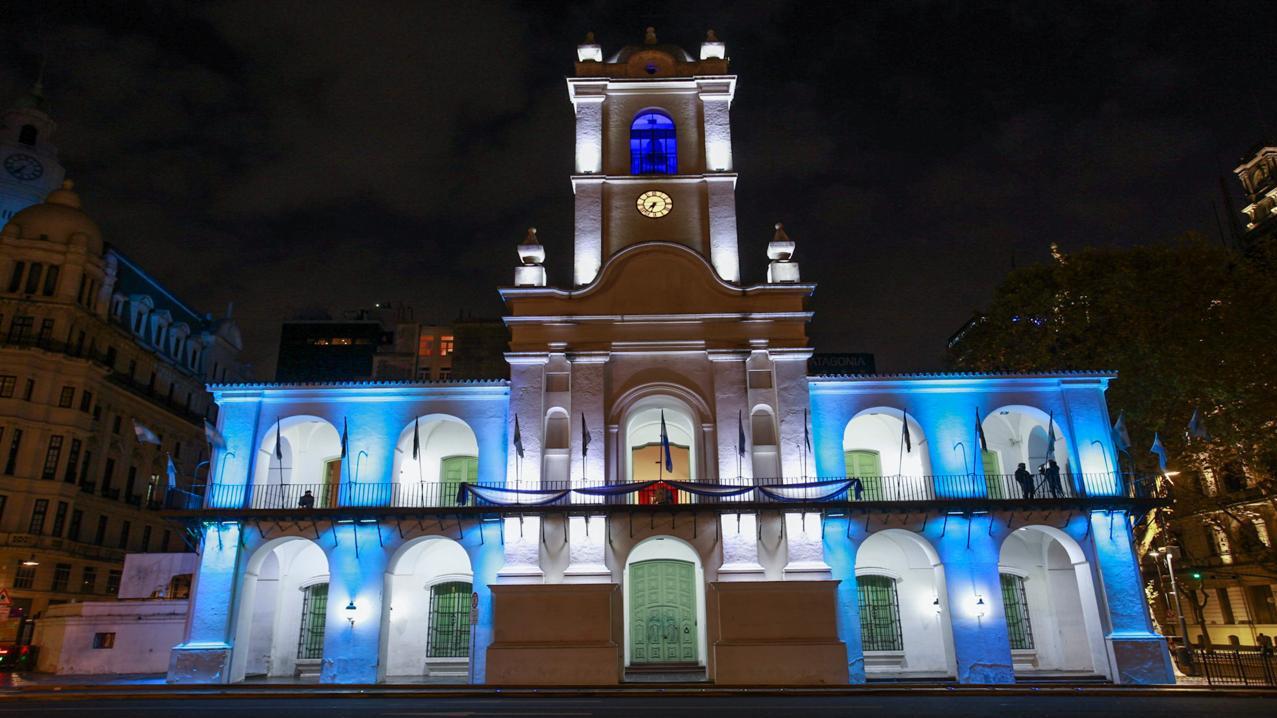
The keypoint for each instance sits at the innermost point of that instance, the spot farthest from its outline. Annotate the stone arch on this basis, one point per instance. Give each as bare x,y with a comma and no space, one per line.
764,442
1050,603
423,636
556,449
447,454
1018,433
874,439
279,628
638,414
307,457
918,641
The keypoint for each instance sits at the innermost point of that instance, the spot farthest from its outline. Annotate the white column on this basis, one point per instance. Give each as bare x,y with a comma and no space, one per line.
587,539
740,548
527,379
790,370
729,408
723,251
804,538
587,400
587,100
716,100
587,249
521,544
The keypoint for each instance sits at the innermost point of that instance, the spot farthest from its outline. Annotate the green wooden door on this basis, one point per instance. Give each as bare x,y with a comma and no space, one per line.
663,612
867,466
992,474
453,471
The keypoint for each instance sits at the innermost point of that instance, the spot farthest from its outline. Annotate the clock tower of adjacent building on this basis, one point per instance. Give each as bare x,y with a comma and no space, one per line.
29,167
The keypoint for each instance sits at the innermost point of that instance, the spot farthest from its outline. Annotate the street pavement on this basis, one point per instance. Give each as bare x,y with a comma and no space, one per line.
676,704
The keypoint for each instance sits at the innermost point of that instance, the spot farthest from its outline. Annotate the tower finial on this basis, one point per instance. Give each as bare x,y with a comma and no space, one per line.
529,272
649,38
710,36
589,38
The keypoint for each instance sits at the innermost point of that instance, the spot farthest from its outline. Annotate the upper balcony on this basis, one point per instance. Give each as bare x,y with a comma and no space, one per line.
964,493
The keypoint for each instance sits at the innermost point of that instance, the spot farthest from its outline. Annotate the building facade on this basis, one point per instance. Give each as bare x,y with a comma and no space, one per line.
89,344
661,491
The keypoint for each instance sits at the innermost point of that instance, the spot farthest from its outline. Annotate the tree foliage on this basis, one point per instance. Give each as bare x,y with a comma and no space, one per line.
1186,324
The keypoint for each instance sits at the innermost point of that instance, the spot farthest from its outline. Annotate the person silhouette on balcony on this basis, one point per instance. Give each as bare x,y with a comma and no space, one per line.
307,501
1025,480
1053,479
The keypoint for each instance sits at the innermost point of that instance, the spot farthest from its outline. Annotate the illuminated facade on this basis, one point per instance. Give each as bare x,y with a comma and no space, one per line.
660,491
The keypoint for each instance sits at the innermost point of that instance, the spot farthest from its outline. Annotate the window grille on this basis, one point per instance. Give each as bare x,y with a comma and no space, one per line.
879,614
1016,605
653,146
449,629
310,644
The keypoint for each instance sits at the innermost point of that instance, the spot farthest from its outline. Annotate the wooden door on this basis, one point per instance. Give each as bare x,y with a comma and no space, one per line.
866,465
452,472
663,612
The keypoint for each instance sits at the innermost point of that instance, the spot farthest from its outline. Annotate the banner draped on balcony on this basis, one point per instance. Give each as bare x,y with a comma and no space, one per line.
810,491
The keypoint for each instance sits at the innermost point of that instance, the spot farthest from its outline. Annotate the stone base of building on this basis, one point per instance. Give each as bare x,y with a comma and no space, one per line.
1141,660
574,639
776,633
199,664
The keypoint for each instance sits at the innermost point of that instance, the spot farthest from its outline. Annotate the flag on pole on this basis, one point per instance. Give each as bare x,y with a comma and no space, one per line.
518,437
740,433
904,429
213,436
416,438
1050,436
665,445
1197,427
979,428
806,433
1160,450
585,437
172,474
1121,437
345,437
279,440
145,435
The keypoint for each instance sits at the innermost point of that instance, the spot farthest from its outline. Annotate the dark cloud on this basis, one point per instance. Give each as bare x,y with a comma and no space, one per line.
299,157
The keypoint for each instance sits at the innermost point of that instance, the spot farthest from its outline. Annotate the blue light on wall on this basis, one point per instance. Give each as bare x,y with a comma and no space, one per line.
653,145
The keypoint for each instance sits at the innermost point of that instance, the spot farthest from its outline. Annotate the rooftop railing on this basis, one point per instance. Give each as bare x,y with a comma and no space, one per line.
829,490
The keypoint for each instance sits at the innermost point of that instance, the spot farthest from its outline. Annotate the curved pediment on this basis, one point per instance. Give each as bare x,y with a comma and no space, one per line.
658,278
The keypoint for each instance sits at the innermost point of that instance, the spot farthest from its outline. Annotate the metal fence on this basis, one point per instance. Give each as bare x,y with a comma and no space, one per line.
882,489
1237,667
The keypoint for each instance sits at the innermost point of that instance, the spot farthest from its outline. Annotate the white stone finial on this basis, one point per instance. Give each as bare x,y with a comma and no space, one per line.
530,249
712,48
649,36
530,273
589,51
782,269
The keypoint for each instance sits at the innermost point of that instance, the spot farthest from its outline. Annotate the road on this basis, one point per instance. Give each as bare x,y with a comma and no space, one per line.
675,706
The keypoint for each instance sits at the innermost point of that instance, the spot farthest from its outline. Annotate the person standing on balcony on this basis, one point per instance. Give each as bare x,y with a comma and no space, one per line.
1053,479
307,501
1025,480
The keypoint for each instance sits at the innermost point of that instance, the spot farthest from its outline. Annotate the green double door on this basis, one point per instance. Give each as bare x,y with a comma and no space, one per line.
452,472
866,465
663,612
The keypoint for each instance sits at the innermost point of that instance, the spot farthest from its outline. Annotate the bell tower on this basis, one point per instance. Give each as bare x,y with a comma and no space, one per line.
653,153
29,168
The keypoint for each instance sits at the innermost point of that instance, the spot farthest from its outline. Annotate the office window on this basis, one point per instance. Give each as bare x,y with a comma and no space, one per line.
113,582
24,576
7,384
124,535
61,577
73,529
28,390
130,483
146,538
73,457
104,640
20,329
88,579
51,458
38,512
177,450
108,474
15,279
33,278
50,281
11,464
426,345
66,397
115,424
60,518
164,541
100,535
445,345
86,401
46,331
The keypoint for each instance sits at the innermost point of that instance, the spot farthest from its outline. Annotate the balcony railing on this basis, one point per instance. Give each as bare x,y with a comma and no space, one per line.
832,491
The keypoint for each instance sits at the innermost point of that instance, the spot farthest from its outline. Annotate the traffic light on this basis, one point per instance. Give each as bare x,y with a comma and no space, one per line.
1197,575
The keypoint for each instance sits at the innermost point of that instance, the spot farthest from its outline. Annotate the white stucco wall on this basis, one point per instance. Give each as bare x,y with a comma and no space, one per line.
406,630
145,632
926,634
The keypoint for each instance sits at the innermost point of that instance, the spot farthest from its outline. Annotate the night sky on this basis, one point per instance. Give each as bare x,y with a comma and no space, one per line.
301,157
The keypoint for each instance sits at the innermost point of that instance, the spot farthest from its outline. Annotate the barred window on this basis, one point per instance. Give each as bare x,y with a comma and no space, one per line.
879,614
653,145
1016,605
448,633
310,644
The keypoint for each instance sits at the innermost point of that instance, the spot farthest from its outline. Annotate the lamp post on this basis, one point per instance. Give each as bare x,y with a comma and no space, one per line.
1186,655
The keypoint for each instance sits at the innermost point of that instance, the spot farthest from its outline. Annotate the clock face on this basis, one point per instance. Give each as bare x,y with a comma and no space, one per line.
654,203
23,167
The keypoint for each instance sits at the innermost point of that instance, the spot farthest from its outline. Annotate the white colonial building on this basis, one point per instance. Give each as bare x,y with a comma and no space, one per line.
661,491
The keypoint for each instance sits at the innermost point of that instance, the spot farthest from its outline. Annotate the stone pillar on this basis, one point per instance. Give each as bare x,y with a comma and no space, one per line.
969,555
587,544
948,421
805,542
842,538
356,575
1087,427
729,408
205,655
587,253
587,400
483,544
521,539
527,379
723,250
740,548
791,412
1138,654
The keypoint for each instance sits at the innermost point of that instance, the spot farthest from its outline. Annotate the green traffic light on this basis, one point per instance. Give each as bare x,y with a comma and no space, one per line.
1197,576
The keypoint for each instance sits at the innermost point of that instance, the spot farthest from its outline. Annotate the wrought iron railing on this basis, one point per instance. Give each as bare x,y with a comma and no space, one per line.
832,490
1236,667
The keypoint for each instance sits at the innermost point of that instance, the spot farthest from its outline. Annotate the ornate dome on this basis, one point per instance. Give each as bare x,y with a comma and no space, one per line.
650,44
59,219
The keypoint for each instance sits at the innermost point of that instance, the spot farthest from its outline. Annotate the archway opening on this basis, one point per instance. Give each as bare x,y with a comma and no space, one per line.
664,605
904,629
1022,435
433,456
764,447
644,454
889,464
427,632
283,612
1052,615
298,465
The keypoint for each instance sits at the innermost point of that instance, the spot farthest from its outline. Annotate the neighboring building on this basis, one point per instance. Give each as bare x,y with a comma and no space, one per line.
661,491
133,634
1258,176
328,350
89,344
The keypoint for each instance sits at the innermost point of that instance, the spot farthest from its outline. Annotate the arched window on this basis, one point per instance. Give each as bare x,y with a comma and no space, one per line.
448,632
310,643
879,614
653,148
1016,605
28,134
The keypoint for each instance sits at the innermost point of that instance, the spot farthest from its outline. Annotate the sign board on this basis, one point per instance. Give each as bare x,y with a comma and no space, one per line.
841,363
474,609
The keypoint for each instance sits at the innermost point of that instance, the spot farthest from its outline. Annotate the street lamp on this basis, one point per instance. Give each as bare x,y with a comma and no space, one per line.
31,561
1171,552
351,609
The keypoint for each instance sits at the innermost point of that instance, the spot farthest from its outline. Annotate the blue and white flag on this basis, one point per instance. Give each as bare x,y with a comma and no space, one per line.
979,430
806,433
144,434
213,436
904,429
345,438
740,433
1050,436
1121,437
518,438
1160,450
667,457
585,437
1197,427
172,474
